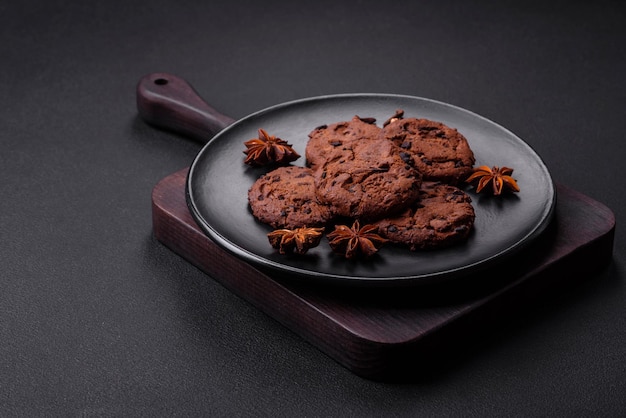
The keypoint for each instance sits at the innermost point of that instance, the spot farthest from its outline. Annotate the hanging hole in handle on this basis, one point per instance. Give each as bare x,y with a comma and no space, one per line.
160,81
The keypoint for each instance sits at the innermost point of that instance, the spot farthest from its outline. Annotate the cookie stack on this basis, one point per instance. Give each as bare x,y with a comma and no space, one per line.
402,177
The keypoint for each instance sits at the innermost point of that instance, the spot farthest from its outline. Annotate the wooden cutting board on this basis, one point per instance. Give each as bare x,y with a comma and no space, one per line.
395,333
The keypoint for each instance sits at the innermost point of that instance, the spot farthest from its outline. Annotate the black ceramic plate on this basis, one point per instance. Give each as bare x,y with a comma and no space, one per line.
218,182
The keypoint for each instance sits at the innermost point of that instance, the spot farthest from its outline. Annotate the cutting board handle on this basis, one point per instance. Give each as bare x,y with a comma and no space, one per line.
169,102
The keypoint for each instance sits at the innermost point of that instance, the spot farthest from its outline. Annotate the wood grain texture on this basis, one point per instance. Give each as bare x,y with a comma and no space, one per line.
169,102
388,333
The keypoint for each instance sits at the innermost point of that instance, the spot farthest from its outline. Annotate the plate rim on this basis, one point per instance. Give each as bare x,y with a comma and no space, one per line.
426,278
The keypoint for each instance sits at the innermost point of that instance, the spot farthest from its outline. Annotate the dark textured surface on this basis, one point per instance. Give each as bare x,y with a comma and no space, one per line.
99,319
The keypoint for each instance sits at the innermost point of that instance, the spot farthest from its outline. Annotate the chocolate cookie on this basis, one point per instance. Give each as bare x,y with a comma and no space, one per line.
439,152
368,180
442,216
330,142
286,198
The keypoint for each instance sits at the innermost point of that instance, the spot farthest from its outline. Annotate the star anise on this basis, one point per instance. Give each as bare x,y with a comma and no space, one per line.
352,241
299,240
267,149
499,177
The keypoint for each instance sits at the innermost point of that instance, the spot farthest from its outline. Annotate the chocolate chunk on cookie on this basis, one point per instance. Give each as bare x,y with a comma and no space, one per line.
442,216
286,198
368,180
439,152
330,142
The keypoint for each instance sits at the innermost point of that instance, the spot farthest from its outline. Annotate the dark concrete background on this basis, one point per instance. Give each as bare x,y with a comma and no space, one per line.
99,319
